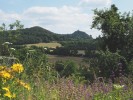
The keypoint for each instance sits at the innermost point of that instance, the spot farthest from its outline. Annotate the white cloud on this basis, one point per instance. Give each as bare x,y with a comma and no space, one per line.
59,20
95,3
6,17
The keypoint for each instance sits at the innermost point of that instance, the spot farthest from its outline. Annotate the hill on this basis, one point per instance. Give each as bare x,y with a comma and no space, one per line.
39,35
77,35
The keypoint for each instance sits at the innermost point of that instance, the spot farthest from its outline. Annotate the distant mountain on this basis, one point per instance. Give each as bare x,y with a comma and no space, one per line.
36,30
80,34
38,34
76,36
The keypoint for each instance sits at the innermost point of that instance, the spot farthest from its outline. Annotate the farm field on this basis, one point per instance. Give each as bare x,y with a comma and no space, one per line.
77,60
49,45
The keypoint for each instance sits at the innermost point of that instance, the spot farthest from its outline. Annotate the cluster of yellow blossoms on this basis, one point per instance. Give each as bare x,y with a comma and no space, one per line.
8,74
17,68
8,93
24,84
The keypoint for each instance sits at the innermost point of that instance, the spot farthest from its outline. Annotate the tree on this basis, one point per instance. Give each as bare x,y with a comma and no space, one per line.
4,26
11,26
117,30
128,48
110,22
18,25
10,35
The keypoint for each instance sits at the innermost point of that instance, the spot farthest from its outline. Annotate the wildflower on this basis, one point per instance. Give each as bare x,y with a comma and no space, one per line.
13,49
6,43
25,85
6,89
117,86
5,74
45,48
17,68
8,93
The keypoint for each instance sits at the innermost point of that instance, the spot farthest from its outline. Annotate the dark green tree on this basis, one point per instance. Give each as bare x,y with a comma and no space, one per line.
11,26
112,25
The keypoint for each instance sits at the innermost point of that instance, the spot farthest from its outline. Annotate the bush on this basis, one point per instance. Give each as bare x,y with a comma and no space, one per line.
66,68
107,63
85,72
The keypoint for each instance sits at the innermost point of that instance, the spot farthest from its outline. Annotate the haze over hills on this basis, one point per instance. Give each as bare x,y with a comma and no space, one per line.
38,34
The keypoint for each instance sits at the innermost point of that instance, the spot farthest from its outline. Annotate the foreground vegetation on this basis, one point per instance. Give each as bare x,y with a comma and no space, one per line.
65,80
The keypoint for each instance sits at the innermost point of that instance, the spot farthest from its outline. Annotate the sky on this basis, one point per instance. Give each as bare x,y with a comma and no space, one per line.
58,16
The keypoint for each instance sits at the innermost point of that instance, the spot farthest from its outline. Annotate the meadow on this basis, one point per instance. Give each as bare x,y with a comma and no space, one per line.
49,45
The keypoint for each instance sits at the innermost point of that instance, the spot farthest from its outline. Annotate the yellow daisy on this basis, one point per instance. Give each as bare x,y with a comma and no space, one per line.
17,68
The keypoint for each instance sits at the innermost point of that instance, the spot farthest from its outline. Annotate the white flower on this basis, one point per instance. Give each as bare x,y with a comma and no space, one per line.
45,48
117,86
12,49
6,43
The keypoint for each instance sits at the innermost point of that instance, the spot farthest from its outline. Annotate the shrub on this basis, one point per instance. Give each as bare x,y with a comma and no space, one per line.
108,62
66,68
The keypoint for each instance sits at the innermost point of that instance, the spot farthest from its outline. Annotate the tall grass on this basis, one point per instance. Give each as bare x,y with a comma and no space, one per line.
67,89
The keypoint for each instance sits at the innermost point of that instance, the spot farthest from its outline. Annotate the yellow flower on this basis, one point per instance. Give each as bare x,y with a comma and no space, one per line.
25,85
5,74
8,93
6,89
17,68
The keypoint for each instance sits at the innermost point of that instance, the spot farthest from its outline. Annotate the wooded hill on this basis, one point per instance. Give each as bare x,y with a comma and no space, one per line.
37,35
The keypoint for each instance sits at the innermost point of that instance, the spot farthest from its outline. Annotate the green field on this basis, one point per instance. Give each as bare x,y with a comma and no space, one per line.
49,45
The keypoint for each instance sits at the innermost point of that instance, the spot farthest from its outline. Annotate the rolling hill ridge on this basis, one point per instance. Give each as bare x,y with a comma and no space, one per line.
38,35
